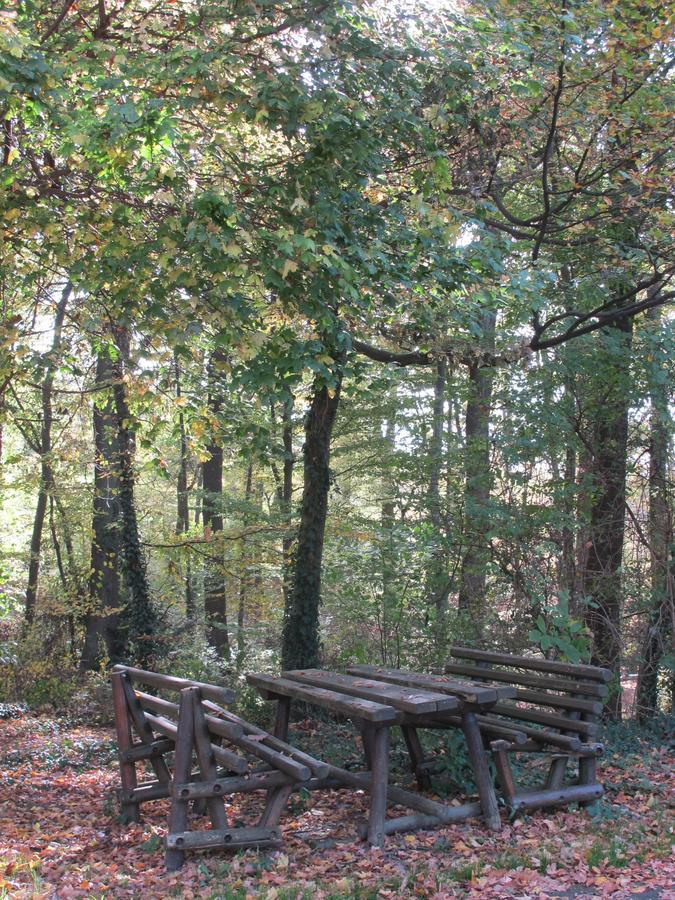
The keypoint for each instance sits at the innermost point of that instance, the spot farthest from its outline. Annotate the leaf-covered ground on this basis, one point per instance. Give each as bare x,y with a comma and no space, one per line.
60,837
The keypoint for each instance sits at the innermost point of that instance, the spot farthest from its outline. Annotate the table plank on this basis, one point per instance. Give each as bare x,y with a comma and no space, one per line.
469,692
405,698
270,687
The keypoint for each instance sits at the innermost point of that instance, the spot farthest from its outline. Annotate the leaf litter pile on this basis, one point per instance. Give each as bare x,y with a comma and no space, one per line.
61,837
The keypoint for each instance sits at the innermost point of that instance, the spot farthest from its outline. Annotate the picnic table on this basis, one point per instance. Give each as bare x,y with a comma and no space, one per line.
379,698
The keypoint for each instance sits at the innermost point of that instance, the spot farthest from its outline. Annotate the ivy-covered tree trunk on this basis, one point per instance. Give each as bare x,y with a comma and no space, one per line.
478,481
301,643
610,400
102,622
138,617
45,449
658,641
215,596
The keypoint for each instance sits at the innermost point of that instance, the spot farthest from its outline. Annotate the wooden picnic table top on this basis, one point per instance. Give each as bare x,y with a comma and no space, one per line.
403,698
381,694
272,687
468,692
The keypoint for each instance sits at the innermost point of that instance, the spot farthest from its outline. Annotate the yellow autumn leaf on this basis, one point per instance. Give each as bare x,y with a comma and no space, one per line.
289,266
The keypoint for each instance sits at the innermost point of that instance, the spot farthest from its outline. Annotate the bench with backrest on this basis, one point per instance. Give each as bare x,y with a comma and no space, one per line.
557,707
200,753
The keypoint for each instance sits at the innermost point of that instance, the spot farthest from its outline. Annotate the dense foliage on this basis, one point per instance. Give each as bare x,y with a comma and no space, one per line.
334,332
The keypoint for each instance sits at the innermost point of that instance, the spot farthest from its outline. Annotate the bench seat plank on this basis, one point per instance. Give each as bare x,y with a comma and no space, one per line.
368,710
540,735
469,693
545,718
403,698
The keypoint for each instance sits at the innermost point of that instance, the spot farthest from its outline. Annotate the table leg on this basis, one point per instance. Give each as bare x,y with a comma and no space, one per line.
378,788
416,754
282,718
481,771
367,732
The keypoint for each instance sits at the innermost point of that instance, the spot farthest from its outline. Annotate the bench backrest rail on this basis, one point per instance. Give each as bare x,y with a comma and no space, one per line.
535,664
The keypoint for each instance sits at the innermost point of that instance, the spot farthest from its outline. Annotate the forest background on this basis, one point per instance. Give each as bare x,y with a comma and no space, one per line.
335,332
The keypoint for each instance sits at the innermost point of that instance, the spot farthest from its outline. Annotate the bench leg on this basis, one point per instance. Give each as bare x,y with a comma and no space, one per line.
556,772
182,771
378,787
143,728
481,771
588,774
130,810
276,801
207,763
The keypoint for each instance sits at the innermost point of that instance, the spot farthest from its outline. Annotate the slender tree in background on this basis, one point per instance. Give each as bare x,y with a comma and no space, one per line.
43,446
438,575
215,591
659,638
182,493
284,492
387,543
473,573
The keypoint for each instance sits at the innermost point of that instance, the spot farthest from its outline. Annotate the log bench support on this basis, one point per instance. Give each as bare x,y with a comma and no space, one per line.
195,731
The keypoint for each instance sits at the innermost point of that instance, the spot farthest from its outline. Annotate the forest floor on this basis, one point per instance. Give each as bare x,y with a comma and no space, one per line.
61,837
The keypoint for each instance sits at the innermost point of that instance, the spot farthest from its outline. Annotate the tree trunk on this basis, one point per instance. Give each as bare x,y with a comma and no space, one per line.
658,641
73,592
138,618
215,598
387,544
244,570
568,568
438,581
182,496
102,622
287,499
45,449
478,480
602,578
300,644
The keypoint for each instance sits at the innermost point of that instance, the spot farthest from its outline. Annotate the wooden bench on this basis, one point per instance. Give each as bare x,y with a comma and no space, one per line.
557,708
172,736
